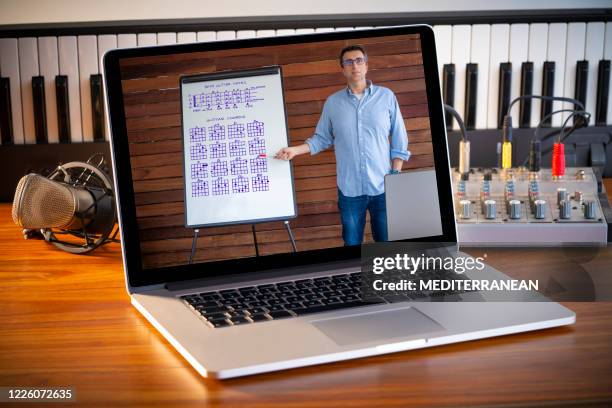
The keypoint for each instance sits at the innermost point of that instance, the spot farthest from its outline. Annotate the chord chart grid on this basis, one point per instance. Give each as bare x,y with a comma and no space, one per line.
216,132
240,185
255,128
260,183
257,146
235,130
237,148
218,150
239,166
199,188
198,152
216,100
199,170
197,134
220,186
258,165
218,168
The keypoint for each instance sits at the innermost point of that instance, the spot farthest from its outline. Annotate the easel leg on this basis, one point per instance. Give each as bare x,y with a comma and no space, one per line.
196,233
291,236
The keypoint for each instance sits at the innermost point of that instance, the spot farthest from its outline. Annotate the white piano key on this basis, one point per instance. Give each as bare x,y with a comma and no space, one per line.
266,33
557,34
69,66
186,37
245,34
500,37
88,65
286,31
49,68
28,67
304,30
444,38
127,41
576,36
538,43
9,68
226,35
593,52
518,52
147,39
481,37
608,56
166,38
462,35
105,43
206,36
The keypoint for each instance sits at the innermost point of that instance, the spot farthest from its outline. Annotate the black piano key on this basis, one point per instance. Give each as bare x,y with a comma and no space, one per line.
582,76
6,120
40,113
548,89
526,89
97,107
471,92
448,90
603,90
505,86
63,110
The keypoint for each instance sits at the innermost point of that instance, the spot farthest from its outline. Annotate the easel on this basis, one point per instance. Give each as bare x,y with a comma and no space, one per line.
196,234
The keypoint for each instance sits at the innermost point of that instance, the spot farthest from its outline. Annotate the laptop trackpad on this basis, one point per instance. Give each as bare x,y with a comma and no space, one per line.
367,327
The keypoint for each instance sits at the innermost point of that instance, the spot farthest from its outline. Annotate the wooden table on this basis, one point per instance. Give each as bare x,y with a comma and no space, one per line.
67,321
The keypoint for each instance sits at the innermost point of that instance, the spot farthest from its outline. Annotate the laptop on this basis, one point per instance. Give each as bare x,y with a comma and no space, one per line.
267,294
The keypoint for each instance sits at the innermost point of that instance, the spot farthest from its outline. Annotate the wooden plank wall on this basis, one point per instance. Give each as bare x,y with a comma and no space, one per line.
310,73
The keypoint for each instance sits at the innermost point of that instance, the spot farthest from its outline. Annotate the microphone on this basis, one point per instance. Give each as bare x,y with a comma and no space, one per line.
75,199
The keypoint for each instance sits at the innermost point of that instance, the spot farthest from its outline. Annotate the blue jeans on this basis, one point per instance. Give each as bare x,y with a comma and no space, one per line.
353,215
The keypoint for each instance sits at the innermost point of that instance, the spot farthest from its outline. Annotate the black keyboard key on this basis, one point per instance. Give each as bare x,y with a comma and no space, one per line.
256,304
40,112
6,118
258,317
505,86
328,308
63,108
257,310
279,314
266,286
215,316
294,305
204,304
310,303
526,89
471,89
97,107
277,308
211,310
548,89
303,291
219,323
448,90
276,302
239,320
582,75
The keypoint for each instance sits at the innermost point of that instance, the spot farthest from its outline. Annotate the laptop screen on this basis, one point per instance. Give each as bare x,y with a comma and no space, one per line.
273,148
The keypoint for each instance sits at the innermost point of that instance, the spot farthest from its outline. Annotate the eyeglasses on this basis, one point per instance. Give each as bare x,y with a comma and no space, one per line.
356,61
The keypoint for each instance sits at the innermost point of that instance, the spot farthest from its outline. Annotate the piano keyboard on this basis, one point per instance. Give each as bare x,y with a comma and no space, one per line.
485,66
51,86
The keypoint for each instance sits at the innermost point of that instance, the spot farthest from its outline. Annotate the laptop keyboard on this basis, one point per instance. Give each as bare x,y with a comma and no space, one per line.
282,300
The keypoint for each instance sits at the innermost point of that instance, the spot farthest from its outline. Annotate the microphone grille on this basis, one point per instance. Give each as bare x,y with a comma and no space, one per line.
42,203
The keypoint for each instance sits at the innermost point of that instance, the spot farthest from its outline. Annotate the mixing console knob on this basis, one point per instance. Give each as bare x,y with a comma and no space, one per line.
561,195
540,209
515,209
490,209
578,196
466,209
565,209
589,209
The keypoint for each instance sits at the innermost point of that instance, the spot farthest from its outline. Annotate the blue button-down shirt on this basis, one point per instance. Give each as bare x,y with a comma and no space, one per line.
360,130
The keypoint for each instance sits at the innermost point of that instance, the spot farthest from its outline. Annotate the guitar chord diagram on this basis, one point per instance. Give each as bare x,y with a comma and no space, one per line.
257,146
260,183
216,132
220,186
239,166
218,150
216,100
237,148
218,168
199,170
255,128
197,134
240,185
198,152
258,165
235,130
199,188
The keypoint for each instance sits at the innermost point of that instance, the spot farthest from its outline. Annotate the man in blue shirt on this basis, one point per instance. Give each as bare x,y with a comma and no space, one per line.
359,121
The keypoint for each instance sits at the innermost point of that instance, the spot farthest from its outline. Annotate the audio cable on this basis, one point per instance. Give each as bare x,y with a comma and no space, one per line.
464,144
